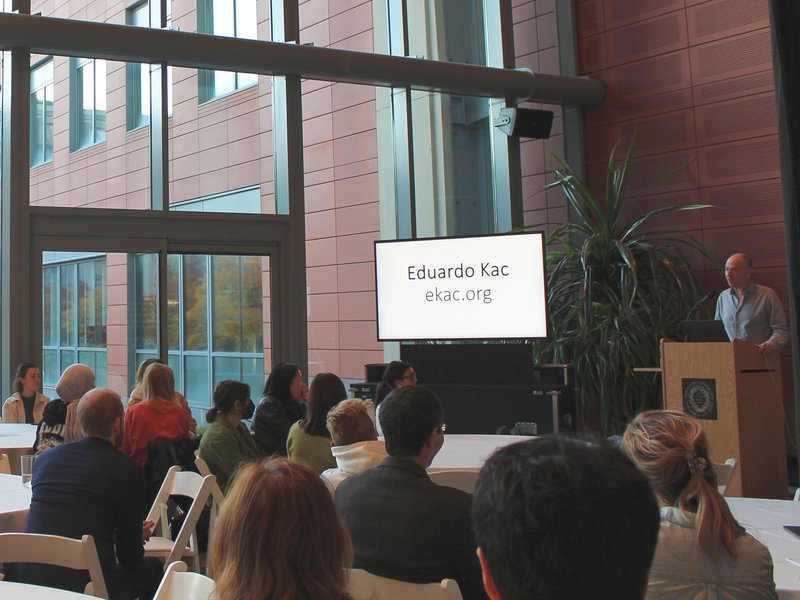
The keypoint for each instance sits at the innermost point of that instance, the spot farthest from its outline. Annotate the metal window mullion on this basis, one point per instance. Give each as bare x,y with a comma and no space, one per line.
18,322
209,321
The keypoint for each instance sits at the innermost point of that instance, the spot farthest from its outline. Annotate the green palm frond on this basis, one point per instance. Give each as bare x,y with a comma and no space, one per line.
614,289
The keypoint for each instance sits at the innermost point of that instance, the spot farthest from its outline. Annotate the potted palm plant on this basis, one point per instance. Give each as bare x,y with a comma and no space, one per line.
616,286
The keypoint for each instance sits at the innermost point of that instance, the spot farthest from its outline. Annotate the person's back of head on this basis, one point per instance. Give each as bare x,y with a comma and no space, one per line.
279,382
391,375
158,381
564,518
279,536
75,381
98,411
670,448
348,423
408,415
325,392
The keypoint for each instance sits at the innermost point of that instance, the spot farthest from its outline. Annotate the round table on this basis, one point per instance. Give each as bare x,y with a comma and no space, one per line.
15,499
25,591
470,451
16,439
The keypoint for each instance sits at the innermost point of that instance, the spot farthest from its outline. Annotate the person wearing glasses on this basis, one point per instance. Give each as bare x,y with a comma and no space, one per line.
403,525
397,374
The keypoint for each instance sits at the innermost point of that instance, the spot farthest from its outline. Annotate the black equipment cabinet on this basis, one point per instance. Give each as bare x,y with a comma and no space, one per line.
487,386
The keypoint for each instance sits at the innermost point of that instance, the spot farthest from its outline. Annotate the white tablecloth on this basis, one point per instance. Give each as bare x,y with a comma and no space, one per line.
24,591
15,499
469,451
16,439
764,520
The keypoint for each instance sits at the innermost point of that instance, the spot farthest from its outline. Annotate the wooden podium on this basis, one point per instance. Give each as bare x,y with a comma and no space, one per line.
736,394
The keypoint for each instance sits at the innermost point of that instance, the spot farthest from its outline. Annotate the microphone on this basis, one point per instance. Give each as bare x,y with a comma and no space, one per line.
703,300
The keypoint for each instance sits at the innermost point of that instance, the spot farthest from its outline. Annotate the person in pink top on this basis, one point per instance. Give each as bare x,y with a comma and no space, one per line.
159,416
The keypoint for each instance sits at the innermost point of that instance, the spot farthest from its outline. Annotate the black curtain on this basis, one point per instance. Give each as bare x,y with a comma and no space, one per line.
785,20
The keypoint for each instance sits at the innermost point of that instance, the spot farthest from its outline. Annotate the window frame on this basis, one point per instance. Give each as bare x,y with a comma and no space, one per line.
76,130
45,128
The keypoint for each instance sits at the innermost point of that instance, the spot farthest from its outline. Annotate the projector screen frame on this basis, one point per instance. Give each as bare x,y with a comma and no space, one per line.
490,338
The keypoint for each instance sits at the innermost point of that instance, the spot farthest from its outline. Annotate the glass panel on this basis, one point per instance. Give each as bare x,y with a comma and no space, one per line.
146,304
195,302
227,298
67,286
50,294
174,362
85,167
101,369
91,304
173,301
50,367
41,113
222,150
227,368
67,359
197,383
253,375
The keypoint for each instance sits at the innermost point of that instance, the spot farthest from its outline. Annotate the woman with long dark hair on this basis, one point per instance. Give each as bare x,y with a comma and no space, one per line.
702,550
26,404
279,536
283,403
309,440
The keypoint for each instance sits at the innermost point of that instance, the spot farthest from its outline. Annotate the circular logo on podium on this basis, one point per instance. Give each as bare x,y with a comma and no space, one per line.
700,398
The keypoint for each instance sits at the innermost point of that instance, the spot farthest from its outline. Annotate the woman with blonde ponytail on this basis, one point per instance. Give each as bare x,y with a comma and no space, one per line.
702,551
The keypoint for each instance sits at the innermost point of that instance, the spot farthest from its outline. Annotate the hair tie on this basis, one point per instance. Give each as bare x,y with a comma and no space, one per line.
697,465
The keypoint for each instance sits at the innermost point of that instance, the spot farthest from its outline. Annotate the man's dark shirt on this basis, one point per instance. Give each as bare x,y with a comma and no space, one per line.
87,487
406,527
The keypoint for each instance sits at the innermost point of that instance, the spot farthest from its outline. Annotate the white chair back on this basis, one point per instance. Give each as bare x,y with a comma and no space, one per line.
363,585
180,584
57,551
724,474
461,479
185,543
5,464
218,499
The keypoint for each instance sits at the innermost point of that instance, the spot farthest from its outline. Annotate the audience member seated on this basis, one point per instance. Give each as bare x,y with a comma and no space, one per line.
356,447
227,442
567,519
403,525
26,404
397,374
282,405
59,423
90,487
136,394
279,537
702,551
158,416
309,440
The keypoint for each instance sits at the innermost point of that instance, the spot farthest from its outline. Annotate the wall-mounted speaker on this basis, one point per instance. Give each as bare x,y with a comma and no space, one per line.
525,122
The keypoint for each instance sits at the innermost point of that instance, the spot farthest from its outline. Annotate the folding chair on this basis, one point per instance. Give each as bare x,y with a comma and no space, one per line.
218,498
178,483
724,473
57,551
178,584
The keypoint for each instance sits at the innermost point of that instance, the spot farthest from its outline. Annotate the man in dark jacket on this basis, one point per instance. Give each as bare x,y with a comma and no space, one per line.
402,524
91,487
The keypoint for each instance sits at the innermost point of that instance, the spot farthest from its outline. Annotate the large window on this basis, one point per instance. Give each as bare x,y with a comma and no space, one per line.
87,102
231,18
42,113
137,75
214,320
74,315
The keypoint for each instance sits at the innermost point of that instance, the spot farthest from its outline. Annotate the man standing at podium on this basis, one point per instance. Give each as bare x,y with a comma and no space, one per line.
751,312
